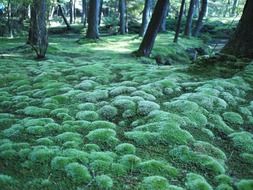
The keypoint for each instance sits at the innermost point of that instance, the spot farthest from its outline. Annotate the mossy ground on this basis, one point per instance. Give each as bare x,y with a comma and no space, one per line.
154,123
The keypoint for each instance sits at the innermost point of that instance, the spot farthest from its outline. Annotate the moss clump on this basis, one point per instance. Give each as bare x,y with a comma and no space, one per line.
245,184
145,107
179,106
233,118
86,85
124,104
108,112
91,147
142,138
41,154
103,156
39,183
155,167
36,111
59,162
154,183
102,125
144,95
103,136
224,187
78,173
130,161
247,157
217,122
122,90
87,106
104,182
94,97
222,178
87,115
243,141
195,181
173,187
36,130
69,136
125,148
7,182
57,111
45,141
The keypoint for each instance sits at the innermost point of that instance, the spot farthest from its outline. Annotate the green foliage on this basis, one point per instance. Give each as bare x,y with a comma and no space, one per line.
104,182
222,178
108,112
102,136
130,161
78,173
195,181
102,125
145,107
36,111
69,136
91,147
77,155
233,118
245,184
87,106
87,115
154,183
7,182
41,154
59,162
243,141
224,187
124,104
125,148
142,138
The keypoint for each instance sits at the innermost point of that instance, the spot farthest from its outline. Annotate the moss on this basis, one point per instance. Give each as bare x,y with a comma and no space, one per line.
104,182
125,148
173,187
124,104
144,95
41,154
78,173
36,130
108,112
91,147
154,183
95,96
86,85
39,183
87,106
45,141
69,136
224,187
7,182
195,181
180,106
142,138
122,90
102,125
87,115
130,161
9,154
233,118
102,136
36,111
77,155
155,167
243,141
24,153
247,158
208,162
245,184
222,178
57,111
60,162
145,107
217,122
104,156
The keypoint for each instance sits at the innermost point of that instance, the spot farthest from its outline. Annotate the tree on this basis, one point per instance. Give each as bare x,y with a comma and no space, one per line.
235,4
38,37
163,24
122,12
202,14
148,41
179,20
93,19
188,25
146,16
62,15
241,44
84,12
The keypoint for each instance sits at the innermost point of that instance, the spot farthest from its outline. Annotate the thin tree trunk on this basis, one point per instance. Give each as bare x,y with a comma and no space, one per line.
188,26
202,14
122,12
100,11
179,21
84,12
241,44
163,24
148,41
93,19
235,4
146,16
71,11
9,15
62,15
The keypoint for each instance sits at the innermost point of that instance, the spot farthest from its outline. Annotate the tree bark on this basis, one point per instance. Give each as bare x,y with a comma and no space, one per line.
84,12
179,20
235,4
163,24
122,12
9,20
100,11
241,44
62,15
202,14
71,11
148,41
146,16
93,19
188,25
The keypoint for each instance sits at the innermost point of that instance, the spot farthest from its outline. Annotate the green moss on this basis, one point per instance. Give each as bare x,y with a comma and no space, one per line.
91,147
77,155
108,112
78,173
180,105
233,118
122,90
142,138
154,183
245,184
145,107
125,148
86,85
9,154
104,156
144,95
102,125
102,136
155,167
222,178
36,130
173,187
104,182
7,182
195,181
243,141
124,104
217,122
45,141
57,111
60,162
87,115
36,111
41,154
247,157
39,183
130,161
69,136
95,96
224,187
87,106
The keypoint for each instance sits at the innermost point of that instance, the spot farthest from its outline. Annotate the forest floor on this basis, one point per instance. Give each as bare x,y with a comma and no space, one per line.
92,116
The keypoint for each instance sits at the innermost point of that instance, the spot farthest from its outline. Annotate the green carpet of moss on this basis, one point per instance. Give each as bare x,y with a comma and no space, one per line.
92,116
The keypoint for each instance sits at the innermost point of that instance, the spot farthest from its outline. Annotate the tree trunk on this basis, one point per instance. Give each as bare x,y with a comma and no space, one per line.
179,20
38,28
241,44
100,11
71,11
235,4
188,25
153,28
163,24
93,19
9,20
146,16
84,12
122,12
202,14
62,15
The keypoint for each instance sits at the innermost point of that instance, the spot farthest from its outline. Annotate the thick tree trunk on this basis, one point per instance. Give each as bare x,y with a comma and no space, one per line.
93,19
146,16
202,14
38,28
84,12
62,15
179,20
163,24
122,13
153,28
241,44
188,25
